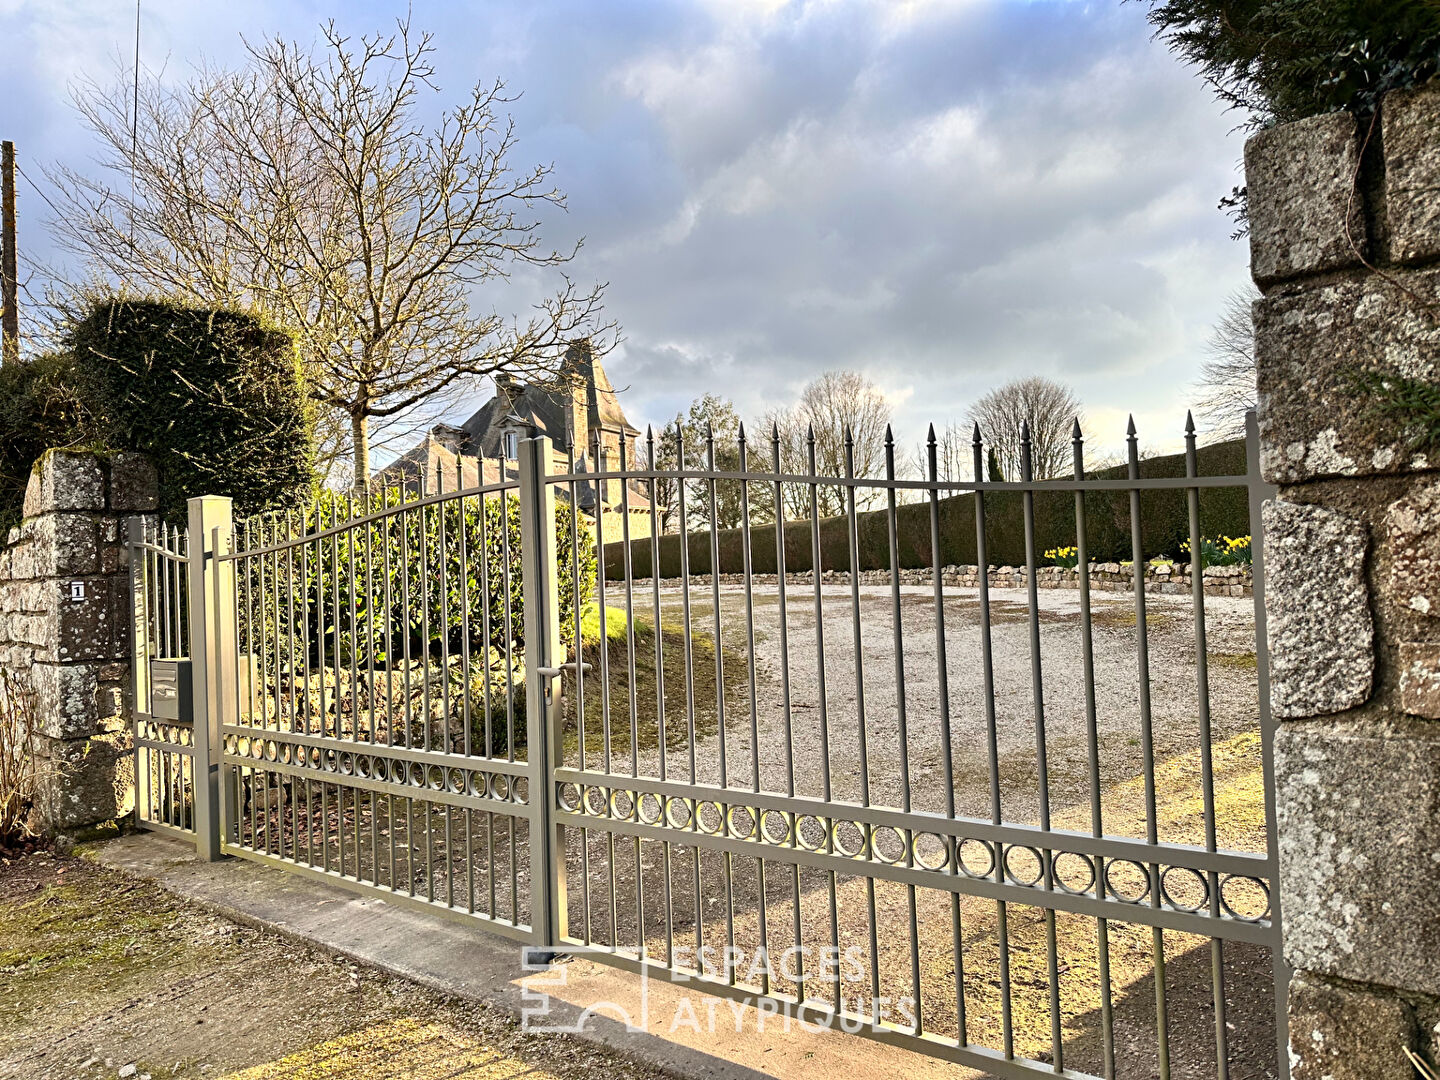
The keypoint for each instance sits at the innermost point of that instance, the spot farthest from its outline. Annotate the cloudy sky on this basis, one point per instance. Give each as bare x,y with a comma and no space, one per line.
943,194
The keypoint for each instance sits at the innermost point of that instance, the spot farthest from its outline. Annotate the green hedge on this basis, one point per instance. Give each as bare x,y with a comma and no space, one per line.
40,408
305,596
1163,514
214,397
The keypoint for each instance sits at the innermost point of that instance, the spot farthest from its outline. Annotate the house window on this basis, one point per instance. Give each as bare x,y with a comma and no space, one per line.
512,445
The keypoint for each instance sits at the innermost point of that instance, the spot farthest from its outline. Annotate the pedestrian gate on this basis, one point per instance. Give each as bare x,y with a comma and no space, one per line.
1010,833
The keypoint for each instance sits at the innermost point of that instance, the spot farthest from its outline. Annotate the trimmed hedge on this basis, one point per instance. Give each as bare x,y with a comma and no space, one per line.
355,573
1164,520
214,397
40,408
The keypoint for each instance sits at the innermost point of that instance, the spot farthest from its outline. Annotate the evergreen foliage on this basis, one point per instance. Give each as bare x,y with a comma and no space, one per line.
1283,60
214,397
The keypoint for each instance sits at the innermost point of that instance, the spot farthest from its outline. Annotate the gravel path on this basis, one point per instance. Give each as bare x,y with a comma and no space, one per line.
834,717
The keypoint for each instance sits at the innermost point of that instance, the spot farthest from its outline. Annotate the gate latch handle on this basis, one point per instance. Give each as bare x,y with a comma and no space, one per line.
556,672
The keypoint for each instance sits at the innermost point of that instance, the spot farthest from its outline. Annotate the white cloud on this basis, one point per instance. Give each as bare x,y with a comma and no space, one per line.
945,194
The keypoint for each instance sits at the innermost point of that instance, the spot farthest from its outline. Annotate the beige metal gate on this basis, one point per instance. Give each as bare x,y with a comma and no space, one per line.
404,693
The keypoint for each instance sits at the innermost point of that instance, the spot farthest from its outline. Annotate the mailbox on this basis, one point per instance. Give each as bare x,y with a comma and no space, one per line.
170,693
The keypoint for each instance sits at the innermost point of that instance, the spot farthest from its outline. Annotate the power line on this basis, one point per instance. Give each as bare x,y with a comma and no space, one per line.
21,170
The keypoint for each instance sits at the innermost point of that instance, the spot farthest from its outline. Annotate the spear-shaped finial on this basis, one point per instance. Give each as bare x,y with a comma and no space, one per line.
1075,435
975,438
889,436
930,438
1130,427
1189,423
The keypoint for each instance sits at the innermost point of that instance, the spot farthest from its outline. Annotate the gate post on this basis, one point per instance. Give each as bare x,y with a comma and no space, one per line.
1344,238
212,626
543,653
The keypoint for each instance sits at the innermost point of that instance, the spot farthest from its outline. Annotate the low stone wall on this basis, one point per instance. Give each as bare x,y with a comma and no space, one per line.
1104,577
65,628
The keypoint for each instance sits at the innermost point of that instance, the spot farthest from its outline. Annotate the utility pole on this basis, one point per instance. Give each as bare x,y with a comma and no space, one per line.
9,281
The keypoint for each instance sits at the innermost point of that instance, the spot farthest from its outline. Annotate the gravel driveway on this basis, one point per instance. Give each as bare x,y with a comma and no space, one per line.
838,710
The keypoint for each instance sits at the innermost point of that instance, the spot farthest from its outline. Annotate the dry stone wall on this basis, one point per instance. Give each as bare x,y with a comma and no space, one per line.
1345,244
1104,577
65,628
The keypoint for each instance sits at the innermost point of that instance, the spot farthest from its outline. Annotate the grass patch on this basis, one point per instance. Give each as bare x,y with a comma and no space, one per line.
660,686
1242,661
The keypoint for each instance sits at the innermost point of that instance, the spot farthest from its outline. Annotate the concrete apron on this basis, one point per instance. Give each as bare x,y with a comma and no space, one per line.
443,955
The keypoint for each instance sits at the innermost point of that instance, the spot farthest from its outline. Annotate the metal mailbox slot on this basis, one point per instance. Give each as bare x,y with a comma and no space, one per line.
170,695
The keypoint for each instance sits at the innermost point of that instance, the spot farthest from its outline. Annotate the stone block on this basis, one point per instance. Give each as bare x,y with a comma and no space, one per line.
1317,605
62,545
1311,344
67,699
1410,121
1420,679
1299,179
1412,528
83,782
1337,1033
65,480
1358,820
88,629
134,487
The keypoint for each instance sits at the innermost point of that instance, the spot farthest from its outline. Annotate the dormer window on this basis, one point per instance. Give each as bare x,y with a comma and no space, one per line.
511,442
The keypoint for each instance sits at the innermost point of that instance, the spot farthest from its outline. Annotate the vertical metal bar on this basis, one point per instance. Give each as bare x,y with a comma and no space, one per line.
387,522
443,550
727,860
942,675
575,613
852,534
463,527
901,719
987,657
625,465
604,681
1092,739
538,780
545,722
747,561
1042,760
816,570
785,703
655,588
486,639
139,657
660,681
1259,491
1207,776
1142,649
689,653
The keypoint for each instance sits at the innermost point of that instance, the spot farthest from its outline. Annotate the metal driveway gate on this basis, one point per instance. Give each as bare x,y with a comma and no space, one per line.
990,828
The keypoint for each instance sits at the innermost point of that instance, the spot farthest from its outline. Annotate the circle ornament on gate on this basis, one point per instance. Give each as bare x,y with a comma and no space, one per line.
1127,881
1024,865
776,827
1074,873
650,808
976,858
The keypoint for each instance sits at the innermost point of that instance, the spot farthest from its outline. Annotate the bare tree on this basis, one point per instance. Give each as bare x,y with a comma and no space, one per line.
836,406
305,185
1049,407
1227,377
954,455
